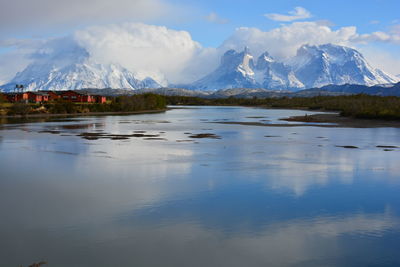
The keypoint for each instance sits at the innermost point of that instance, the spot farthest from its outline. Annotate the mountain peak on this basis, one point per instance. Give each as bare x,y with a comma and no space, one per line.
74,69
319,65
313,66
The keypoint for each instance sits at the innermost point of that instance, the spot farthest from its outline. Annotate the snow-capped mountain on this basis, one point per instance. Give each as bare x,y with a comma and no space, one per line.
313,66
321,65
73,69
235,71
275,75
238,70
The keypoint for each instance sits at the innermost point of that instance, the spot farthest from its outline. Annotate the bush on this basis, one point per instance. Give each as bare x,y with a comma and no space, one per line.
19,109
3,98
62,107
137,103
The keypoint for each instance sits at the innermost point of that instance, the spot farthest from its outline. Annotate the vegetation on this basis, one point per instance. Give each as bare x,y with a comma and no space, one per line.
118,104
20,109
138,102
3,98
358,106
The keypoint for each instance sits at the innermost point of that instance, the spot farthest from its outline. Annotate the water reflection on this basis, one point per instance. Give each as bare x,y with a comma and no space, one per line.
258,196
314,242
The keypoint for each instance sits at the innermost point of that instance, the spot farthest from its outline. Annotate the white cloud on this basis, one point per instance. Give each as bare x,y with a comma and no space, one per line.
18,56
395,29
284,41
215,18
157,51
148,51
377,37
297,14
381,59
144,49
172,55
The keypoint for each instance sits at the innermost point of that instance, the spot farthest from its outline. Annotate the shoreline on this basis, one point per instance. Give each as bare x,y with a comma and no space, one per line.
47,115
326,120
342,121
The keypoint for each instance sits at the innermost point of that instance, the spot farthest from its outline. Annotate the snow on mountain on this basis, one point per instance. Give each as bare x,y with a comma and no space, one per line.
316,66
235,71
73,69
275,75
313,66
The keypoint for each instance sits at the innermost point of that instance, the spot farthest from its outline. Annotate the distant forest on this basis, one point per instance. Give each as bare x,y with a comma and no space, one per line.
358,106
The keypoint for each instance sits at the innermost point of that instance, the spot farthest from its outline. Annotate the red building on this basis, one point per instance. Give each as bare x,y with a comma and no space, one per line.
37,97
17,97
100,99
33,97
77,97
45,96
52,95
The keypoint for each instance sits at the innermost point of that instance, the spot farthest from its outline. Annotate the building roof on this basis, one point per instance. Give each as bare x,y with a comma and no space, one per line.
39,93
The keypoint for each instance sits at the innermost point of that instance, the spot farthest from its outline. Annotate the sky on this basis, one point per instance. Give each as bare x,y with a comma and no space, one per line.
180,40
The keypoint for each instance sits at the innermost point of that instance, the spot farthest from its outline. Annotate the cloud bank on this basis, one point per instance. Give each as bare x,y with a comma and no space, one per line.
172,56
146,50
284,41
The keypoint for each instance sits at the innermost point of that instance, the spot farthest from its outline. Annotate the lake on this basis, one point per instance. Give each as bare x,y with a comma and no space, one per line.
144,190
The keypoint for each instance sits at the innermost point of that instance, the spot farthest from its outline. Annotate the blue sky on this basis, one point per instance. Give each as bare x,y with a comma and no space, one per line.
367,16
372,26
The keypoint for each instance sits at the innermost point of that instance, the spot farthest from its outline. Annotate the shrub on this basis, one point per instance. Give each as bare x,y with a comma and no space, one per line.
3,98
62,107
19,109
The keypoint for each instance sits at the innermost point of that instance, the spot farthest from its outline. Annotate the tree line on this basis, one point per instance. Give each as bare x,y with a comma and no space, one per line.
114,104
358,106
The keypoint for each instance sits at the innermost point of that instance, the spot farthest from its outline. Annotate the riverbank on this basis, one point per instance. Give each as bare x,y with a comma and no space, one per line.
33,117
122,105
336,120
81,114
326,120
357,106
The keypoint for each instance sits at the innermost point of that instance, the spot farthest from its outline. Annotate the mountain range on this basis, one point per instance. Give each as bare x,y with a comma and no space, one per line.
328,90
311,67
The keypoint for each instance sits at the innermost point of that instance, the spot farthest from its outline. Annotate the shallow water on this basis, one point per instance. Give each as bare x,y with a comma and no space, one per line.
146,193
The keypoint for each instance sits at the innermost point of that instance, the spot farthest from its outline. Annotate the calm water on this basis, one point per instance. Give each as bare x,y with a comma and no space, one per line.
292,198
